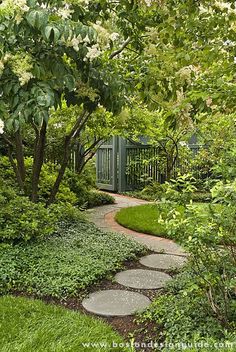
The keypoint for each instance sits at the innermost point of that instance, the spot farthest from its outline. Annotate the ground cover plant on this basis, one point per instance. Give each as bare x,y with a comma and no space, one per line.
65,263
48,328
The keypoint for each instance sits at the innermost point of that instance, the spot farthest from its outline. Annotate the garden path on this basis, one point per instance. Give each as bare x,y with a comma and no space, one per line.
104,218
124,300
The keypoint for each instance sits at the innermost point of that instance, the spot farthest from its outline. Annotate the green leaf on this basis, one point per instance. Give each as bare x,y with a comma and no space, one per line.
48,31
69,81
37,18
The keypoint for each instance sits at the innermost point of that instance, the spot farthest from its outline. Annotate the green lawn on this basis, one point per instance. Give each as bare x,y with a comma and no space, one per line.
144,218
65,263
31,326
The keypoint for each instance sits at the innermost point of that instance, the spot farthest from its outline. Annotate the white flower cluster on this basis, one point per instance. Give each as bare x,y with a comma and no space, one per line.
1,127
14,8
185,73
76,41
21,64
114,36
148,2
65,12
103,35
93,52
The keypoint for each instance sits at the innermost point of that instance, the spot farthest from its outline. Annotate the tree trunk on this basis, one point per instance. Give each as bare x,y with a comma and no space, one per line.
79,157
168,171
20,156
74,133
38,161
61,173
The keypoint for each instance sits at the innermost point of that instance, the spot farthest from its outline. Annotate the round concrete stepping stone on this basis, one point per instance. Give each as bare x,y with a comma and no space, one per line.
115,303
142,279
163,261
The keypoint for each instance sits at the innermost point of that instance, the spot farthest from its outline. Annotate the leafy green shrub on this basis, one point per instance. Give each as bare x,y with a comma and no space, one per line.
96,198
7,172
155,190
66,213
203,305
47,179
183,314
20,219
180,190
201,197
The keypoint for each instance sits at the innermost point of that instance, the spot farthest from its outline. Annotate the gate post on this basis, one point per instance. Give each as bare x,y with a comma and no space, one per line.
122,165
114,163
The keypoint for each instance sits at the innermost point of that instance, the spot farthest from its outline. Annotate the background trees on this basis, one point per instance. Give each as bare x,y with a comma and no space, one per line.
176,57
69,53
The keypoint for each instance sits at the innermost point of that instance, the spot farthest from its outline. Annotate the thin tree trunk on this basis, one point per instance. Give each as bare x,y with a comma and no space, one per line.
61,173
74,133
20,155
38,161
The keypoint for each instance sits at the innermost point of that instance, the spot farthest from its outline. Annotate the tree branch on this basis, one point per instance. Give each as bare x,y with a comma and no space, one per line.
118,51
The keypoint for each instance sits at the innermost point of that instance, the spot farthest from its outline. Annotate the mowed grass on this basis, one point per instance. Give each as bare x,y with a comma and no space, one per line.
144,218
141,218
28,325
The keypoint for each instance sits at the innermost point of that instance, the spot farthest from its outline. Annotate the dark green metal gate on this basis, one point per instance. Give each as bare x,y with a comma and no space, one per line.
121,165
106,165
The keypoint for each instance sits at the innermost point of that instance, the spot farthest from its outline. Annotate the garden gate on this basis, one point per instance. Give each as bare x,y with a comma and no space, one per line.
106,165
121,165
124,165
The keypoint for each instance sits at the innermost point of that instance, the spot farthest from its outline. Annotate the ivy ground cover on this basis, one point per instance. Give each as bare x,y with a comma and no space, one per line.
65,263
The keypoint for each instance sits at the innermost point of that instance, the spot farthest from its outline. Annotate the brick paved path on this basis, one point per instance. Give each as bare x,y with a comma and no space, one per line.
104,218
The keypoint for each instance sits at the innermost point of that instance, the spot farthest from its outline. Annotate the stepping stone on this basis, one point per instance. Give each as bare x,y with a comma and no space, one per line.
142,279
163,261
110,303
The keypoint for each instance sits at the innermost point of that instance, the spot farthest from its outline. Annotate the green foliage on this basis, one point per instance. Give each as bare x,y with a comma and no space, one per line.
22,220
200,304
47,178
66,263
31,325
6,171
180,190
184,315
96,198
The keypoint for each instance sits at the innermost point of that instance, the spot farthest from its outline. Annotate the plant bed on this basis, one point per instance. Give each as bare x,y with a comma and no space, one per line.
126,326
64,264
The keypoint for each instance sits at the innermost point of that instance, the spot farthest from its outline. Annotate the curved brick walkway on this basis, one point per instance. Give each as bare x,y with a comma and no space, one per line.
104,218
126,302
